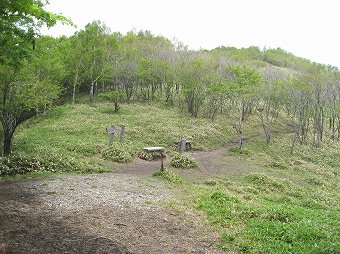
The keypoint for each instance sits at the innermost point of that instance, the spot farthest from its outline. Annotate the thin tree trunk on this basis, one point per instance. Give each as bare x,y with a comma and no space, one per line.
8,135
74,88
9,124
267,132
293,143
241,142
92,91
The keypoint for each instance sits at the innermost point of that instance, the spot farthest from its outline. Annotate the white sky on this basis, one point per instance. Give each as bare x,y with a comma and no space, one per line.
307,28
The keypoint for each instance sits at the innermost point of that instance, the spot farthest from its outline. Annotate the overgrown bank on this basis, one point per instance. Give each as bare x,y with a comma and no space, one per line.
275,203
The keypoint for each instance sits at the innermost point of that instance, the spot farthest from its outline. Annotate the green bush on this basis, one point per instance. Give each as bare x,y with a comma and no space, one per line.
168,175
25,163
149,156
183,161
117,154
21,164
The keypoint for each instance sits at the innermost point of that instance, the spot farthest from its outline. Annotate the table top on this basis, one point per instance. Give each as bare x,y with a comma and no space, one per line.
154,148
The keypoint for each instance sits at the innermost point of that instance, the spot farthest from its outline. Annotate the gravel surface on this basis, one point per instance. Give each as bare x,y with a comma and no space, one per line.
106,213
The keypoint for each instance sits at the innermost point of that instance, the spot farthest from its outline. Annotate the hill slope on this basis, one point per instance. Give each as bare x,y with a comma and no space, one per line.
77,133
264,200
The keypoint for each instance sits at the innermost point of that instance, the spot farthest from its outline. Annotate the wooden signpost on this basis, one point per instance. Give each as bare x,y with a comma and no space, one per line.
111,132
183,145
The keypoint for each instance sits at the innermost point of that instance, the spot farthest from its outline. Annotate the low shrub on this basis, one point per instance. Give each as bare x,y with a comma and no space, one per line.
25,163
117,154
183,161
168,175
21,164
149,156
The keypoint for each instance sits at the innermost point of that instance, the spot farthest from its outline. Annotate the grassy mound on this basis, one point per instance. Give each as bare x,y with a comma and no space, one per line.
78,133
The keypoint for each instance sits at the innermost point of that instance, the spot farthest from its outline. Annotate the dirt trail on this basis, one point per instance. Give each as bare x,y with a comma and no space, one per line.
211,164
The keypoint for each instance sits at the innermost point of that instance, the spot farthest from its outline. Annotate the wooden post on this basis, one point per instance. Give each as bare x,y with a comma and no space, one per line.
182,144
111,132
121,137
162,164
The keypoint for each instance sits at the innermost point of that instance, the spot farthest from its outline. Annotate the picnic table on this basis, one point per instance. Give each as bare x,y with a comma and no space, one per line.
156,149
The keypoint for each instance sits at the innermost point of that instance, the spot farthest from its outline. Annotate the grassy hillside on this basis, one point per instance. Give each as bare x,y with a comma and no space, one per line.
277,203
289,204
76,134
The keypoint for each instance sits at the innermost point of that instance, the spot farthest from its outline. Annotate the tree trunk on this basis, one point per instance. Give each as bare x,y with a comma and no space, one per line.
75,81
116,106
293,143
7,143
74,89
92,91
267,131
241,142
8,137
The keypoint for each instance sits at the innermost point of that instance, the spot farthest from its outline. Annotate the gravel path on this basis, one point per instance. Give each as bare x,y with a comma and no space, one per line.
106,213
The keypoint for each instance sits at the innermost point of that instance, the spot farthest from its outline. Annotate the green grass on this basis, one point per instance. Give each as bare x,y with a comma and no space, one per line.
169,176
262,214
274,202
76,134
291,205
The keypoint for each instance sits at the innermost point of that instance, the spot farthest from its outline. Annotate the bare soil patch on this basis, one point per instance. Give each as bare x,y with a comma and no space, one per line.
213,163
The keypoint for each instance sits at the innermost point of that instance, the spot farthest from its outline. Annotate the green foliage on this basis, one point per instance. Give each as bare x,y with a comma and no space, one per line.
20,23
36,94
114,97
267,183
195,75
21,164
117,154
183,161
168,176
22,90
25,163
22,93
278,222
244,79
237,150
150,156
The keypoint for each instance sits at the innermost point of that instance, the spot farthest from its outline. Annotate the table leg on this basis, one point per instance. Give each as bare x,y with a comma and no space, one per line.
162,166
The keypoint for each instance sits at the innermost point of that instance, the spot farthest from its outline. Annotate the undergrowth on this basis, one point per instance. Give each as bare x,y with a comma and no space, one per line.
290,206
168,175
262,214
183,161
149,156
117,153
